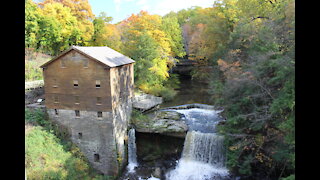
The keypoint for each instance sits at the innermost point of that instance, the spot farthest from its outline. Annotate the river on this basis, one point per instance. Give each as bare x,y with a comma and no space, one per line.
190,91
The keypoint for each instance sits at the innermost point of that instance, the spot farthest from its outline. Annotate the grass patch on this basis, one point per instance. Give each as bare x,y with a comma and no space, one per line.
138,116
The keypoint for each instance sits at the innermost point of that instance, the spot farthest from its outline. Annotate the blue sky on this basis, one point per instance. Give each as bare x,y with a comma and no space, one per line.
122,9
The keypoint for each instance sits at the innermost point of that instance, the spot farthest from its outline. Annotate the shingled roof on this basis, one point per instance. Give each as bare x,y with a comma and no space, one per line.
102,54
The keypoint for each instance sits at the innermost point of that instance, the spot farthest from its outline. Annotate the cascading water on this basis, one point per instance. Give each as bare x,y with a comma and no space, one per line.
203,152
204,147
132,151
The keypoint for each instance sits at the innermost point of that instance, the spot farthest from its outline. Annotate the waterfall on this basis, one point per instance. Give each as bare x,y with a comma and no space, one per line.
204,147
203,152
132,151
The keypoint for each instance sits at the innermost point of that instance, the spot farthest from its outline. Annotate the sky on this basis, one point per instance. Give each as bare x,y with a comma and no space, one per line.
122,9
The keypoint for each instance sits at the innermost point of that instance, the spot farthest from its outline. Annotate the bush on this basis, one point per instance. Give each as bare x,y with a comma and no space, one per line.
167,93
32,71
36,117
137,115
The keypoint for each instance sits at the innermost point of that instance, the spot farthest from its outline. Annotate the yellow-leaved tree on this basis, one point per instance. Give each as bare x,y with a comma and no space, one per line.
81,9
146,43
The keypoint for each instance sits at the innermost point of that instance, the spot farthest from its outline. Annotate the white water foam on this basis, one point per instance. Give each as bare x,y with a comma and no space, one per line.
195,170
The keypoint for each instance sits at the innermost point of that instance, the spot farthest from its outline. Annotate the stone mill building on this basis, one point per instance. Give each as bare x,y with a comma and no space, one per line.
88,92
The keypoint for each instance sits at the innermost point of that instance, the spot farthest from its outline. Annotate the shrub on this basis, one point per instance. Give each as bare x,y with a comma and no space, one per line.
32,71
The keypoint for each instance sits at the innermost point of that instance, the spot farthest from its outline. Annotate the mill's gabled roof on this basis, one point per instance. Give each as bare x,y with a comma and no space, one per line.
102,54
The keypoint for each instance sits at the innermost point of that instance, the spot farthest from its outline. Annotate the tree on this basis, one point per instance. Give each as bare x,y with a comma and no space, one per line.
151,24
81,9
32,17
146,43
59,28
171,27
105,34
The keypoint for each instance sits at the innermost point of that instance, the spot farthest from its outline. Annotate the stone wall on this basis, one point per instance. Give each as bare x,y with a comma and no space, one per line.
93,135
122,93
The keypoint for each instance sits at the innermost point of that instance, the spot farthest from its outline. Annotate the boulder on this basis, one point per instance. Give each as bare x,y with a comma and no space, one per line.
163,122
145,102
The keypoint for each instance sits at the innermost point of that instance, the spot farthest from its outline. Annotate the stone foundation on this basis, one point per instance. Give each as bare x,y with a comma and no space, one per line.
93,135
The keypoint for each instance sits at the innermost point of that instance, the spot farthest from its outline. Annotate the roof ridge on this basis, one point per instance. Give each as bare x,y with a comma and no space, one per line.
103,54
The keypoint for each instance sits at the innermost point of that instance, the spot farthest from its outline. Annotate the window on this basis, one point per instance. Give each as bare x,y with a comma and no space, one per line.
56,99
99,102
56,112
99,114
96,158
80,135
98,84
77,101
75,83
77,113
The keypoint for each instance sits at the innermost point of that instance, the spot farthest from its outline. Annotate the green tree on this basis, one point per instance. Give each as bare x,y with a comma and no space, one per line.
80,9
32,18
58,29
171,27
106,34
